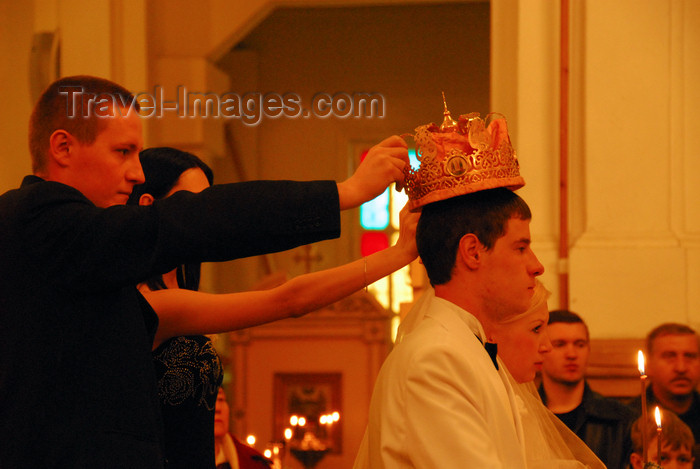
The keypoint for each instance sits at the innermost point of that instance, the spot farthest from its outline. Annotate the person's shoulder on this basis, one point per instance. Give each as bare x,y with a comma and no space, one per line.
441,329
37,191
28,185
440,350
607,407
36,194
635,404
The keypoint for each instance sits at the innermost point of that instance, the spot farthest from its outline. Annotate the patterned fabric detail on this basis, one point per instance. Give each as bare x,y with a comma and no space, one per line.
189,369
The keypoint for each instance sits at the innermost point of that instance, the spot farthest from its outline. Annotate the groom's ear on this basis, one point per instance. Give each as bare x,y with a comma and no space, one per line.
469,250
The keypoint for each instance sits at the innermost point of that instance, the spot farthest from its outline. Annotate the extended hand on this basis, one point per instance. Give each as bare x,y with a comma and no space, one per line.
383,165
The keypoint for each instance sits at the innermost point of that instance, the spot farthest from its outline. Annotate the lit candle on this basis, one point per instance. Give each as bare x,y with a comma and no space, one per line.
294,422
250,439
643,378
287,437
657,416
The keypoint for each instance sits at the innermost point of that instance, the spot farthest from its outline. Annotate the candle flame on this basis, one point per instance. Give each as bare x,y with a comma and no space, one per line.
657,416
640,362
287,433
250,440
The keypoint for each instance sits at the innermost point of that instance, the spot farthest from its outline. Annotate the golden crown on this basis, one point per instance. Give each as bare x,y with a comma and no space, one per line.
460,157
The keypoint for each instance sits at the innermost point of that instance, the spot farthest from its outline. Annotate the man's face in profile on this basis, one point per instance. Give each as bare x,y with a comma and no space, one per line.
509,271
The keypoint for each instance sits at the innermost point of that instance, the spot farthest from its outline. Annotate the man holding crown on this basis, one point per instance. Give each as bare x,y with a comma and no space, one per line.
77,385
441,399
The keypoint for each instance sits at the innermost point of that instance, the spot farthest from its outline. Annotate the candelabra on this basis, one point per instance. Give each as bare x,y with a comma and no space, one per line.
309,439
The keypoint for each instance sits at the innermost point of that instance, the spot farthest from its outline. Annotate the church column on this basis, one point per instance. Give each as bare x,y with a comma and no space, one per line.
524,87
634,230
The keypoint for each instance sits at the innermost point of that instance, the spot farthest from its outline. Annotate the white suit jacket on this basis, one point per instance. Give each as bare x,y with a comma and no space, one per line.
440,403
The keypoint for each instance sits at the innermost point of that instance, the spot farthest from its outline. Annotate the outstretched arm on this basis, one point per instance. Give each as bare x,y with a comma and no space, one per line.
383,165
186,312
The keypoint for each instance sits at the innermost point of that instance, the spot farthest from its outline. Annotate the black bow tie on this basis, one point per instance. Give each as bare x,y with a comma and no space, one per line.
492,350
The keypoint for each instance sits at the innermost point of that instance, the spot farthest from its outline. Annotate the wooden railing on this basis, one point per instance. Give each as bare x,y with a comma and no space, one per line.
612,367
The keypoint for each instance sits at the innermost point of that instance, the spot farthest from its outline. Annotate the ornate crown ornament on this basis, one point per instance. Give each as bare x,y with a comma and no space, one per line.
460,157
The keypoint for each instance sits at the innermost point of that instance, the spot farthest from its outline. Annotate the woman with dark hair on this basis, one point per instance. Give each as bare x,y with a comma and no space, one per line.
188,369
163,168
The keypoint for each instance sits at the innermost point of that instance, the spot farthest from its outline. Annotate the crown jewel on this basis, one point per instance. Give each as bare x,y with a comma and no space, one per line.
461,157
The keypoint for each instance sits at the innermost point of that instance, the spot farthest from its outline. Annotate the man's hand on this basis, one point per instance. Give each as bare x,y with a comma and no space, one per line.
383,165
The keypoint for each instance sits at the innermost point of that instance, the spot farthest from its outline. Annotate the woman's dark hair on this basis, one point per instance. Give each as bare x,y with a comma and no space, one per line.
162,167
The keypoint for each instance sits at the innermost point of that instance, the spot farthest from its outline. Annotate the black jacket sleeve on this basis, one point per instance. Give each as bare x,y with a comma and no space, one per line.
82,246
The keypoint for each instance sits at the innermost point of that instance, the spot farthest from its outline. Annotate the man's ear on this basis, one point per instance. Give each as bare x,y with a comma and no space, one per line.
469,250
60,144
146,199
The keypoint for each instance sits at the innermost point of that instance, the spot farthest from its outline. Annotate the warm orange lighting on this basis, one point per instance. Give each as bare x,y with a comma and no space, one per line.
657,416
640,363
287,433
250,439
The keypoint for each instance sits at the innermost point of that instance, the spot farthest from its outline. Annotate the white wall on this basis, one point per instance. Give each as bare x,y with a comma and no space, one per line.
16,28
634,165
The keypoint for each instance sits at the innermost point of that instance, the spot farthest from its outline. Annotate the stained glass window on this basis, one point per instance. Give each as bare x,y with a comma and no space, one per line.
379,220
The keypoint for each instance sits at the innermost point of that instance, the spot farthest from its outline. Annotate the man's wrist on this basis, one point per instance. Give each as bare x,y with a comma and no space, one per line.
346,198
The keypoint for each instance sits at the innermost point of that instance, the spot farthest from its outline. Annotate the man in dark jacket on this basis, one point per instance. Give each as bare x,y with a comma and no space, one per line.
673,367
77,387
602,423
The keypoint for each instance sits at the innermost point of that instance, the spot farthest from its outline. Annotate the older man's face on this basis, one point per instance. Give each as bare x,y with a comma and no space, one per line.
674,365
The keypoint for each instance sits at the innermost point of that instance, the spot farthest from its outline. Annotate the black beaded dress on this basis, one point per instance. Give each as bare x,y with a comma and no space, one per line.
189,373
